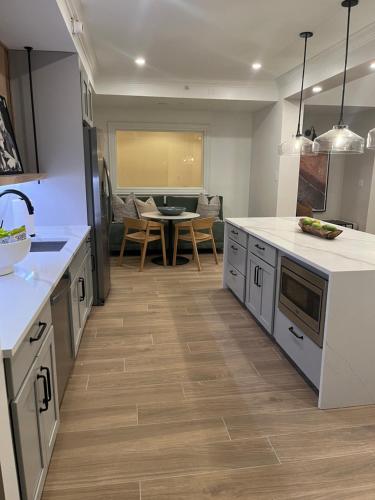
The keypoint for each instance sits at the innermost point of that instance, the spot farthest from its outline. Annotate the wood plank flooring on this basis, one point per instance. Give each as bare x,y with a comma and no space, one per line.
178,394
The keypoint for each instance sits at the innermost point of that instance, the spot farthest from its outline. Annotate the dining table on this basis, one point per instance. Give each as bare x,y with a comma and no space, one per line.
184,216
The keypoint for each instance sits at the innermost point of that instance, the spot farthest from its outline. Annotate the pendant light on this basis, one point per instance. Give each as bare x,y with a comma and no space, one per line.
299,144
340,139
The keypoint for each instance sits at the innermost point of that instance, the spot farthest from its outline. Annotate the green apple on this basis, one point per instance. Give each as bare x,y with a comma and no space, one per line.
329,227
307,221
316,225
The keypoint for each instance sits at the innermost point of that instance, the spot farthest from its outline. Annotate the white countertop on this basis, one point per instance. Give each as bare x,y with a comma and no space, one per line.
351,251
24,292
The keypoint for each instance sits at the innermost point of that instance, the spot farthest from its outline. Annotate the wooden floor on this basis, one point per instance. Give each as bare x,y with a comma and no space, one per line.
178,394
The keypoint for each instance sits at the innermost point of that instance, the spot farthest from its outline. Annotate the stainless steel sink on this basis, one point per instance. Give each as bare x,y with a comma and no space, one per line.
47,246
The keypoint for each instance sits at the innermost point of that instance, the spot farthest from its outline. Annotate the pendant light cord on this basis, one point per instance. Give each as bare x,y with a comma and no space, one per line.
341,119
301,94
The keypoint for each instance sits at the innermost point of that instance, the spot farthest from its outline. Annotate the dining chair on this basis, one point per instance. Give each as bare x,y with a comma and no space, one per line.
195,231
143,232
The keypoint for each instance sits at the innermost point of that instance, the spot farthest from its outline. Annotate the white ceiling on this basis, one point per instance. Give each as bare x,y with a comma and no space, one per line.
211,40
159,103
37,23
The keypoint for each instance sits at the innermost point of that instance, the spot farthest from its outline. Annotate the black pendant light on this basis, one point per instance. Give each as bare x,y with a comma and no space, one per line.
340,139
299,144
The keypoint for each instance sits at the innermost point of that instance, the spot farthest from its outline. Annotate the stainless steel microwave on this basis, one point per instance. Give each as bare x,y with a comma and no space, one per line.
302,298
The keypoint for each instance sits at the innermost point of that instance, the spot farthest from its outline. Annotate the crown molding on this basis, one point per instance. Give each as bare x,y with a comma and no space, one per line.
81,42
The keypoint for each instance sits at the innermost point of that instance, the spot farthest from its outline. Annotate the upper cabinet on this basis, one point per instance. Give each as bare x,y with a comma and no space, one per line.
86,98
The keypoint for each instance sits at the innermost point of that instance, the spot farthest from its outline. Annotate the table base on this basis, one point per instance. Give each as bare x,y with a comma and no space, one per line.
180,261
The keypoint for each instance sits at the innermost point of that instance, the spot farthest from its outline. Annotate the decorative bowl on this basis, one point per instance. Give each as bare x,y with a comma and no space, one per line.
171,210
322,233
11,253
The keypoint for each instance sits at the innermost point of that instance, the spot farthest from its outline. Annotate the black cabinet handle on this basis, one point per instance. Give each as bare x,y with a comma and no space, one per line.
256,275
45,399
42,327
259,247
234,248
47,370
291,329
83,296
233,273
234,232
260,275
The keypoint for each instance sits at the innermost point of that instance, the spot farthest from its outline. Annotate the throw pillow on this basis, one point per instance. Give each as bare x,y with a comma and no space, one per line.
124,208
208,208
145,206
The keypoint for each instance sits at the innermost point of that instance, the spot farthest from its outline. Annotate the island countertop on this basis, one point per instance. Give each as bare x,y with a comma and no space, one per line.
24,292
351,251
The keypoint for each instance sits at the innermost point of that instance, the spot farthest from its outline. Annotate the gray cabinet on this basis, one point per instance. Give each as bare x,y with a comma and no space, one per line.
35,418
260,293
81,292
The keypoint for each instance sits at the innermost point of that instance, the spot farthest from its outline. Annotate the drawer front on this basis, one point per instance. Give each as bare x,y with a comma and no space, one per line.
18,366
303,351
78,259
237,256
263,250
237,235
236,282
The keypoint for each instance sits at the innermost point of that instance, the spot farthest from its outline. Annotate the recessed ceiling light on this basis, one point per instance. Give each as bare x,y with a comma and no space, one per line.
140,61
372,65
256,65
317,89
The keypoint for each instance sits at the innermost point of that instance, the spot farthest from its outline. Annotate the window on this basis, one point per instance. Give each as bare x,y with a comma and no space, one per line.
158,159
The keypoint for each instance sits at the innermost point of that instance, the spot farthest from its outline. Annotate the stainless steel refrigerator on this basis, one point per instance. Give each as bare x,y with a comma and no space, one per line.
99,210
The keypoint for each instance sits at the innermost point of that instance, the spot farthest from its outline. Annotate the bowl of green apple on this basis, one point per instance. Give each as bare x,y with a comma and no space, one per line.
319,228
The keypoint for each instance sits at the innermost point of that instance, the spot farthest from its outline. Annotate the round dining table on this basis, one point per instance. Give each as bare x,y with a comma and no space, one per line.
170,218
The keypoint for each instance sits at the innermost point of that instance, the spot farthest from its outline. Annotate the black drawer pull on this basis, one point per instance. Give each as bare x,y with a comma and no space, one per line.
300,337
83,296
259,247
234,248
46,369
233,273
234,232
256,275
42,327
45,399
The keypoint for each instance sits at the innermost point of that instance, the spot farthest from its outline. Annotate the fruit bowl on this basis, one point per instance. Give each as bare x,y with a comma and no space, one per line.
11,253
319,228
171,210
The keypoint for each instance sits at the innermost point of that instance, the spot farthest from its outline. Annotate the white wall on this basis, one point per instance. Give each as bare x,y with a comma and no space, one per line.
229,135
61,198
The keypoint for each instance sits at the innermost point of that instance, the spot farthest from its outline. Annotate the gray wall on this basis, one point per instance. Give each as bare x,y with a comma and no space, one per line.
61,198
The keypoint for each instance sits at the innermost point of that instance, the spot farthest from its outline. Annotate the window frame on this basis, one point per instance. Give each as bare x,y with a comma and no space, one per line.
113,127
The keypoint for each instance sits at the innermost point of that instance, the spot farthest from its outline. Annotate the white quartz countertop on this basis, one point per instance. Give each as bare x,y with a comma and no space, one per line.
351,251
24,292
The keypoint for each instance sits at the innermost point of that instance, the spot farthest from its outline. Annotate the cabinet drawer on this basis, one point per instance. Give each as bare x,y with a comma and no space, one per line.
237,235
236,282
263,250
78,259
303,351
237,256
18,366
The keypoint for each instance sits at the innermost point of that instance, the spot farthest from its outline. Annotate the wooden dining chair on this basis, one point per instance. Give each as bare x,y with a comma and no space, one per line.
195,231
143,232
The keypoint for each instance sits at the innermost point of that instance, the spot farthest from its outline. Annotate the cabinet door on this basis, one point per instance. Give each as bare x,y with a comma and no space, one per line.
253,290
49,419
75,288
27,434
266,280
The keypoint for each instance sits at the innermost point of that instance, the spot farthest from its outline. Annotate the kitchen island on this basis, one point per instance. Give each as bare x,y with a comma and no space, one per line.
339,360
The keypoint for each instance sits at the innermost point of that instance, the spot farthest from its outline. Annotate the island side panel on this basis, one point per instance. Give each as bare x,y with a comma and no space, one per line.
348,364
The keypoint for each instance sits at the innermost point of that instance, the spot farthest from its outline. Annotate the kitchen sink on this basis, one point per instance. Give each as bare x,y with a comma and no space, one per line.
47,246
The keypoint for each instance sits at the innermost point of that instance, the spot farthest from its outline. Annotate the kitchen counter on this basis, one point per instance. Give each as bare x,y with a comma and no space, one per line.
25,292
351,251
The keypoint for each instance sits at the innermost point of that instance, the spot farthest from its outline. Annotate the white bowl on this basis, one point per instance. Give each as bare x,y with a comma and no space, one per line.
11,253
